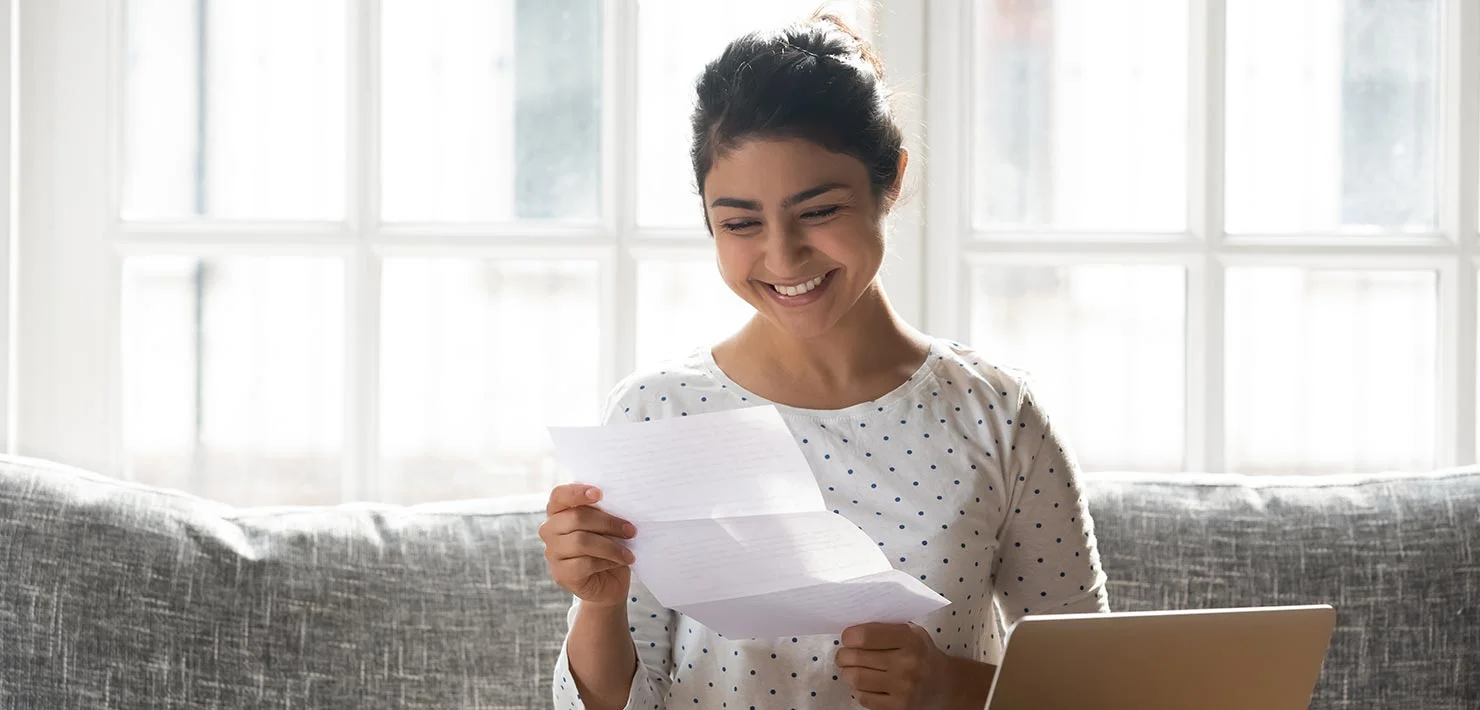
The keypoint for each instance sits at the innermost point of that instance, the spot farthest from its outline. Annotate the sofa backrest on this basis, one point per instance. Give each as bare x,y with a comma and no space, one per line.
120,596
115,595
1398,555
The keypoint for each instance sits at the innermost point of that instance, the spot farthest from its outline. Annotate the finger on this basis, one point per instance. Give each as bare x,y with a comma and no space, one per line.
585,544
581,567
878,636
867,680
876,701
860,658
591,520
571,495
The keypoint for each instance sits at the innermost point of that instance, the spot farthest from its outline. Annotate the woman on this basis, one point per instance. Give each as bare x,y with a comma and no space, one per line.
938,455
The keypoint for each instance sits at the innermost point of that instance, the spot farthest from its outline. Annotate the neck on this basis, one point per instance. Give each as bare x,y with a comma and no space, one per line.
869,340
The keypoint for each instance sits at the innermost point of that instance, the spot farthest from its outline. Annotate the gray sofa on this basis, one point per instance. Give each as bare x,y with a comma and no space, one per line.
114,595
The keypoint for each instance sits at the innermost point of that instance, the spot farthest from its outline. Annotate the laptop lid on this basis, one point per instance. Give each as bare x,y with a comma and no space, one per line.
1219,659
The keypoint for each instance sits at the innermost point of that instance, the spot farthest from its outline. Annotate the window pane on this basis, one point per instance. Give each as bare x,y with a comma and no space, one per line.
682,305
477,358
1106,347
234,109
491,111
1080,114
1331,371
233,376
676,38
1333,114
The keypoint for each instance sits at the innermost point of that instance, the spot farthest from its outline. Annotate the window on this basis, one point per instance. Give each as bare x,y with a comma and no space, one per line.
288,251
370,249
1222,235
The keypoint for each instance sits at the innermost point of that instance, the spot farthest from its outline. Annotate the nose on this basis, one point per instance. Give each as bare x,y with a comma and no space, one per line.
787,249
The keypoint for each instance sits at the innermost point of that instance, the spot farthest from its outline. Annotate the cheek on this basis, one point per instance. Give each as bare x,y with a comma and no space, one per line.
853,242
732,261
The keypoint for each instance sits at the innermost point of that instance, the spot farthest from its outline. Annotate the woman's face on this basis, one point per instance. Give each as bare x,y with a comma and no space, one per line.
798,233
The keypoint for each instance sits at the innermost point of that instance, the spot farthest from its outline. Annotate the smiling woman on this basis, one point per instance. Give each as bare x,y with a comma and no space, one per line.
918,441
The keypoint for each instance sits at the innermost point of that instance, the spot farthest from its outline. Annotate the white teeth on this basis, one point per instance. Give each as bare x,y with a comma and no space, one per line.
800,288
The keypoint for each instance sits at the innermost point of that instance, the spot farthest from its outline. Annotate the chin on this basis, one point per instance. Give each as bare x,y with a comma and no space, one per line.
800,328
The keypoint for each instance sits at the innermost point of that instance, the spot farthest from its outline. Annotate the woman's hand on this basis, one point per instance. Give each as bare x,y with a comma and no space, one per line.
582,548
897,667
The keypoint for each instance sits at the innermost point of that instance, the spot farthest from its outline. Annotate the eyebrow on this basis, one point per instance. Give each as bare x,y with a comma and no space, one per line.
792,201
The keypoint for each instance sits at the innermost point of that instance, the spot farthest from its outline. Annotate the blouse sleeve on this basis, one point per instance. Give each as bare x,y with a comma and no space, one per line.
1048,559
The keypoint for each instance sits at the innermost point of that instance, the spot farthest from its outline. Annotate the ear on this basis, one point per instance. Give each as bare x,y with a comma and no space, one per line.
891,194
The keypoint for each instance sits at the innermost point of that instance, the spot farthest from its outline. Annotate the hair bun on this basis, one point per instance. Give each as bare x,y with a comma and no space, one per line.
859,48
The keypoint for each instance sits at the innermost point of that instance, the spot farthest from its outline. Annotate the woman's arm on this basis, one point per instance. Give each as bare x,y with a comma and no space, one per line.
602,658
615,657
617,653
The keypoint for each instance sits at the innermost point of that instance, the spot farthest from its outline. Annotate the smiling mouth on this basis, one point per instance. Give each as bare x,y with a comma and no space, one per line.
801,288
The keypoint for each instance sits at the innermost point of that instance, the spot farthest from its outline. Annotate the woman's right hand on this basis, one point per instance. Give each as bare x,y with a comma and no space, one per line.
582,548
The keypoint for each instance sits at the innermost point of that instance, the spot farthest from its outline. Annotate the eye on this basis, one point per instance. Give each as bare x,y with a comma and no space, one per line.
820,213
740,226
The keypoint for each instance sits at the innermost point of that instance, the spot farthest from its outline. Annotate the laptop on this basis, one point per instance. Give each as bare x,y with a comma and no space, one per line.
1219,659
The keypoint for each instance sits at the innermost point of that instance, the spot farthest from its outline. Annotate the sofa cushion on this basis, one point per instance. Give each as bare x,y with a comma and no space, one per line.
115,595
1398,555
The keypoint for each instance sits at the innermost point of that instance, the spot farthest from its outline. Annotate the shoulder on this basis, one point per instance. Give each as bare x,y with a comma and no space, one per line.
969,371
672,380
1014,415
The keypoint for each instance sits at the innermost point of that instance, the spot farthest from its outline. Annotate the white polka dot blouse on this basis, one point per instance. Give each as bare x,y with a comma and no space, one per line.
956,474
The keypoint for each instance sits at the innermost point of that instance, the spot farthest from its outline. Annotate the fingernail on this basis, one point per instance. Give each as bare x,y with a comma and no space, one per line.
629,530
627,555
592,494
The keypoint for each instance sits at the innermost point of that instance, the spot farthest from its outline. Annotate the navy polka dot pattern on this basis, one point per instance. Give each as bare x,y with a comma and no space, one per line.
956,474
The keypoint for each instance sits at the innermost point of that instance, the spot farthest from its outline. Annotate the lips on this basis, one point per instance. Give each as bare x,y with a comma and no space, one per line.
800,293
800,288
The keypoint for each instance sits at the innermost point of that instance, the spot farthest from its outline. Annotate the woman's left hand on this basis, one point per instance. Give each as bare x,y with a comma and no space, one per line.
895,667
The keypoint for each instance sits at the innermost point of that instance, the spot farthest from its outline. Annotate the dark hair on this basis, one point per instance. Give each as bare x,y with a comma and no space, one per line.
817,80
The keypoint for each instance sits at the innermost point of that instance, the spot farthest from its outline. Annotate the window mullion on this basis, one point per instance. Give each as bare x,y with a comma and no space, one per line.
901,39
9,31
1206,421
1460,203
66,399
620,172
947,115
362,352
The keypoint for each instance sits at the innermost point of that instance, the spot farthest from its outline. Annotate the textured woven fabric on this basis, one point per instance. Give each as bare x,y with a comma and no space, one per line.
1397,555
117,596
120,596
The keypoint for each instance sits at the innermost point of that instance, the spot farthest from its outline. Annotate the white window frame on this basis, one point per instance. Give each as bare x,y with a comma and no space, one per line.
69,403
1205,251
65,389
9,31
